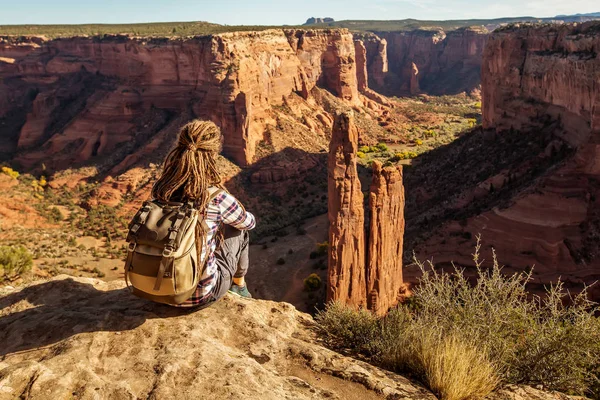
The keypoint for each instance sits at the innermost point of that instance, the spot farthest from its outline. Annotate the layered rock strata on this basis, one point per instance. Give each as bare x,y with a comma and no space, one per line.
126,90
540,94
363,273
446,62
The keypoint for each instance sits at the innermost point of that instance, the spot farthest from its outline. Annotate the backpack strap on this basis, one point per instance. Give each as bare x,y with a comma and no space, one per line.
140,220
167,258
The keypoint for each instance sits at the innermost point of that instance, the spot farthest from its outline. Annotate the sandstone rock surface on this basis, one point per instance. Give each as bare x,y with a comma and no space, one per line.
347,273
88,339
363,273
84,338
385,283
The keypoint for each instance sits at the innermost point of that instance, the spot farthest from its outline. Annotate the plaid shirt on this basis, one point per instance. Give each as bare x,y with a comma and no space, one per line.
226,209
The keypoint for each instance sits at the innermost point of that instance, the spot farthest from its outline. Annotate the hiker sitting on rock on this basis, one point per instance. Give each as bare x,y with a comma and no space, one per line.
190,175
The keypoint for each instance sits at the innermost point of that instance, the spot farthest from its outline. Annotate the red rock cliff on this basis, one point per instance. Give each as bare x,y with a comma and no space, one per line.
553,70
540,87
80,98
448,62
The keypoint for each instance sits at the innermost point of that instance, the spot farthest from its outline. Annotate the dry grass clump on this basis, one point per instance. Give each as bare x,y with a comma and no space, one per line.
455,369
462,338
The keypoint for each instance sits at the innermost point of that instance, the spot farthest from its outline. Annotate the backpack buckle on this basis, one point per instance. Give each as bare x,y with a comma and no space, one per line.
168,251
131,247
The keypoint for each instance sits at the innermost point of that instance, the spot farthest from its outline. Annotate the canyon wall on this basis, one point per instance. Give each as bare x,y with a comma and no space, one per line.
364,271
530,72
428,61
81,98
534,171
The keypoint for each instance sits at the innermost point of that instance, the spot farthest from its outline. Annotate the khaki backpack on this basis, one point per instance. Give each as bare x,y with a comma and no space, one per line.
162,259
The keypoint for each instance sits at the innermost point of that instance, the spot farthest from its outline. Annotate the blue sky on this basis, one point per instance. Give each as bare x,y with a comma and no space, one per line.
272,12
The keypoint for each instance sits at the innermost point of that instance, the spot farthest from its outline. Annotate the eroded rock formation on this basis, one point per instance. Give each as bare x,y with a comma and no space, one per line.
448,62
376,58
363,273
386,238
347,273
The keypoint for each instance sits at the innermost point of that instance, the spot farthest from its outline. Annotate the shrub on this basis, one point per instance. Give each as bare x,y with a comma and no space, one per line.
322,248
404,155
312,283
418,142
343,327
461,336
280,261
14,261
360,154
54,215
382,147
10,172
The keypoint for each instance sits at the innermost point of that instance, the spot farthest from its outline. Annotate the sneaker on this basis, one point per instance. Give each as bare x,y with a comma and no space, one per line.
240,291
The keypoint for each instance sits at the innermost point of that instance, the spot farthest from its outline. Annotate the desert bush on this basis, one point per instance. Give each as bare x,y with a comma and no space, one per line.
54,215
404,155
343,327
312,283
382,147
14,261
10,172
322,248
360,154
461,337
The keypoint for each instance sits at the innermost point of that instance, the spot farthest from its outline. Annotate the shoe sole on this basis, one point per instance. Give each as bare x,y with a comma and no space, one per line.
238,295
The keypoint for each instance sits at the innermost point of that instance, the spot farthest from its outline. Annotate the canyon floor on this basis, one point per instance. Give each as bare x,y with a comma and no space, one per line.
68,232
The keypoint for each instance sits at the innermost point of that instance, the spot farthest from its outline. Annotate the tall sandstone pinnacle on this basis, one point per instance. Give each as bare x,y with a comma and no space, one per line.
347,275
386,238
363,273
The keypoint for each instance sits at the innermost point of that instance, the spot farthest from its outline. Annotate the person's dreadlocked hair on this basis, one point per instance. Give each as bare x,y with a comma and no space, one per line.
190,168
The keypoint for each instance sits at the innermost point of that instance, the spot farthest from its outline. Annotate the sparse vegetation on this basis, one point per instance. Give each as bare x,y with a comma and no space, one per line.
312,283
322,249
462,338
157,29
10,172
102,221
14,262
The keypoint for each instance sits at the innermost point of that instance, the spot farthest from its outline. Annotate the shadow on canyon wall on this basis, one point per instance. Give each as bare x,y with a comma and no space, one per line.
478,171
